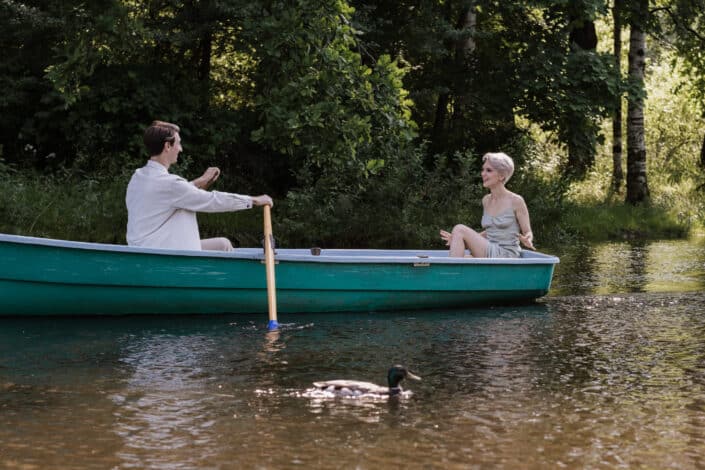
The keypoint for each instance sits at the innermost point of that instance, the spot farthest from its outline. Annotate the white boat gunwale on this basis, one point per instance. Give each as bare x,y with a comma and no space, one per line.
296,254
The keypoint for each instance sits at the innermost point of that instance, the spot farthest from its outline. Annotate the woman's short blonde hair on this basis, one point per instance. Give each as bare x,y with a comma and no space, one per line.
501,162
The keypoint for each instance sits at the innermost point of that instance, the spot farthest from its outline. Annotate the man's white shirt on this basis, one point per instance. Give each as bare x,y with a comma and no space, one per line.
161,208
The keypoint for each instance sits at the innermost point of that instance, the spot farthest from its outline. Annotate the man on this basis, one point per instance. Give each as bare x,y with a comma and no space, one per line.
162,207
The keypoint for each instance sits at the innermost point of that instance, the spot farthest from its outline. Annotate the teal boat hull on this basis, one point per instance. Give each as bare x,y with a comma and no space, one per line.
54,277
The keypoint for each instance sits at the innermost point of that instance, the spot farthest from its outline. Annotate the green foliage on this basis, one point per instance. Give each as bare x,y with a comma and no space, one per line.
673,139
317,102
568,90
366,124
404,205
687,20
407,204
522,64
25,31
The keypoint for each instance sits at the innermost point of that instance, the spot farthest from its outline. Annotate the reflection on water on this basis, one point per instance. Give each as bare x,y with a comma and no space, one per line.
164,400
578,380
642,266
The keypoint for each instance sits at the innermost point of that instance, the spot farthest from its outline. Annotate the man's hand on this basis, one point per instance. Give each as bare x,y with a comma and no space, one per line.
262,200
208,178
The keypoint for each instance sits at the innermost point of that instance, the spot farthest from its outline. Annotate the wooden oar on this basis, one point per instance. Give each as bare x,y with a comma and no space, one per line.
269,262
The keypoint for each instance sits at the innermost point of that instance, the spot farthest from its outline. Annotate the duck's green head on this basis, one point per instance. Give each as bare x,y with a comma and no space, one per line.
398,373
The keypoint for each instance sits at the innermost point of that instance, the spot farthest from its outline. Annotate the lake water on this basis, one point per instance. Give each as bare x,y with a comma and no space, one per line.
608,371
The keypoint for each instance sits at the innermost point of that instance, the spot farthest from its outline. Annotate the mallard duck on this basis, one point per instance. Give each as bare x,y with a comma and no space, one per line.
355,388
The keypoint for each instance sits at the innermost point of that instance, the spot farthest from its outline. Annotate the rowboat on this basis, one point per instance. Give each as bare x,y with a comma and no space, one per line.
41,276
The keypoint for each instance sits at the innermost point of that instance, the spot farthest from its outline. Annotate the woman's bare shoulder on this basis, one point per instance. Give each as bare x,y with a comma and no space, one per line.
517,200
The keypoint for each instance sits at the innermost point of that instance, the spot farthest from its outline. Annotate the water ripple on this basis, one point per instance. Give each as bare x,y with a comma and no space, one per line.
577,381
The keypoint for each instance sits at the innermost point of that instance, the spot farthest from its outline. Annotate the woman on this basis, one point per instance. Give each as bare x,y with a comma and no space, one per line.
505,217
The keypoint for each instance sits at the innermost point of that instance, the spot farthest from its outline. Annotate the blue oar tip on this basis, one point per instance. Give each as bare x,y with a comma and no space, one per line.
272,325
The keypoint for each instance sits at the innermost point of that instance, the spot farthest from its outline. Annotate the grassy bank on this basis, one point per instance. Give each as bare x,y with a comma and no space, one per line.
624,222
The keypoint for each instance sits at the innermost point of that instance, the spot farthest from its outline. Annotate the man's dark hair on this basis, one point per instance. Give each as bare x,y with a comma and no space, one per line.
156,134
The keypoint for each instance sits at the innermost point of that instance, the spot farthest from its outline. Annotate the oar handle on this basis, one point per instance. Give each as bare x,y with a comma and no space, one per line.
269,263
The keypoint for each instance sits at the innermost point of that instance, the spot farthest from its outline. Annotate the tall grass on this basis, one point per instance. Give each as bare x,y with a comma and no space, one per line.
620,221
64,205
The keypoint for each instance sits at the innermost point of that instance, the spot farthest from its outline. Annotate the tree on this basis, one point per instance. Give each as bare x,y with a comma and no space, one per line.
617,173
316,101
476,65
26,30
438,40
581,129
637,185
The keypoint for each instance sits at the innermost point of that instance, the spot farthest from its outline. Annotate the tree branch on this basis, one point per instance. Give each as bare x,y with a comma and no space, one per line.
678,24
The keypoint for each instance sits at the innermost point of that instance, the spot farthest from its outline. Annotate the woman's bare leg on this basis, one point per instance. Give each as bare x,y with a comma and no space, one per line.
464,237
216,244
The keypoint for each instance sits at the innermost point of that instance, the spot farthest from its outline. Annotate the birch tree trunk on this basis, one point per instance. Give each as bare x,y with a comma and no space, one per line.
617,173
637,186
